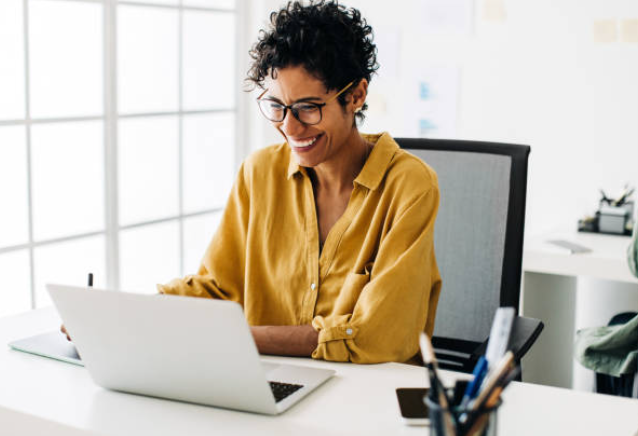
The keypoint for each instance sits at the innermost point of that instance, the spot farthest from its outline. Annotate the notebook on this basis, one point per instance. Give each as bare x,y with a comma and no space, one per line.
53,345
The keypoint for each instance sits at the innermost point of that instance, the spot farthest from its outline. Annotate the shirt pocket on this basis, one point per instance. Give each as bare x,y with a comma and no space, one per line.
350,291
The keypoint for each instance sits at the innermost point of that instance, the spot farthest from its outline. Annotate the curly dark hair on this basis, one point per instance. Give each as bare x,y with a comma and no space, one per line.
332,42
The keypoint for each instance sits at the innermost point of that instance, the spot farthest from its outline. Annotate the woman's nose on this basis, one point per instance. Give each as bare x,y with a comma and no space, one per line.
290,125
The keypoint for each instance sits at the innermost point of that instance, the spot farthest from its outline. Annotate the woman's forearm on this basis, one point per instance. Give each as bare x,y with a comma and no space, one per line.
285,340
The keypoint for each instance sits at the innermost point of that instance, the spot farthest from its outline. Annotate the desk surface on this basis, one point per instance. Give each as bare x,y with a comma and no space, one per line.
607,260
43,396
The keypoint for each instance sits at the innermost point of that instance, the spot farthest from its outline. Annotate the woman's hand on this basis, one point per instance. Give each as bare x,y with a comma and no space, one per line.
63,330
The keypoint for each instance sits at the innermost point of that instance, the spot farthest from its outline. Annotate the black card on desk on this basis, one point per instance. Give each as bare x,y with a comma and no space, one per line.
53,345
413,408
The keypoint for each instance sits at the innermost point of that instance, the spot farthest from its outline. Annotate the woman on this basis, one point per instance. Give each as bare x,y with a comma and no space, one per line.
327,238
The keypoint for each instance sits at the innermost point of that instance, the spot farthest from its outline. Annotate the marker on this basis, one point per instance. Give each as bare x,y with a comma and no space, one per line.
90,280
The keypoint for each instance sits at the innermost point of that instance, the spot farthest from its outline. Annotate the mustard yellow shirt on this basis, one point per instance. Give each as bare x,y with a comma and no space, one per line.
375,284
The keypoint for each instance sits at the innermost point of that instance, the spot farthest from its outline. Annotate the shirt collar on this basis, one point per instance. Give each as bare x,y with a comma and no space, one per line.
375,167
293,166
378,162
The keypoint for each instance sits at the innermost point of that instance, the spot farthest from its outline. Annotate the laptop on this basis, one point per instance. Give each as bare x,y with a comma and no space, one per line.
180,348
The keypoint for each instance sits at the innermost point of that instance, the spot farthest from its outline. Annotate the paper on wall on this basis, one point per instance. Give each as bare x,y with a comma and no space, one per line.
455,17
432,95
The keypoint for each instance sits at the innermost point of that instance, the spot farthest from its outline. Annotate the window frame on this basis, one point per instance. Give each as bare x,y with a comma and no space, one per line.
110,118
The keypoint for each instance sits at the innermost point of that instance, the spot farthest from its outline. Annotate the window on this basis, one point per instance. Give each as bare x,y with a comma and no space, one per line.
117,140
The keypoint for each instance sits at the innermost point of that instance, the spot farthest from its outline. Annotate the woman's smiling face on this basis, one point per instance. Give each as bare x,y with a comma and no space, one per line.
311,144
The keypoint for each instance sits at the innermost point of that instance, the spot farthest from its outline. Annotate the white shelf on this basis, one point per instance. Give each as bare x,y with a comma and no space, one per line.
607,260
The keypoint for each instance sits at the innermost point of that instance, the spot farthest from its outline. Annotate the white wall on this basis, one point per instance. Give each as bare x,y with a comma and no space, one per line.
537,76
259,131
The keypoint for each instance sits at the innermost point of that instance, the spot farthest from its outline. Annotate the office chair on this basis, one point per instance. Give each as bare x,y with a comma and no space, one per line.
478,240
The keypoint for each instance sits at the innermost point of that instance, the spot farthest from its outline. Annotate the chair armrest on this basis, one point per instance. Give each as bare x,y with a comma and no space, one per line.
525,331
524,334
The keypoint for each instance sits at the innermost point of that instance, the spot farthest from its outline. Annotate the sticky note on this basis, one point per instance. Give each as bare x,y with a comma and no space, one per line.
629,30
494,11
605,31
376,103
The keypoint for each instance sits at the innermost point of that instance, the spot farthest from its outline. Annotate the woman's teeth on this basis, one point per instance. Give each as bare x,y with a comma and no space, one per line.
307,143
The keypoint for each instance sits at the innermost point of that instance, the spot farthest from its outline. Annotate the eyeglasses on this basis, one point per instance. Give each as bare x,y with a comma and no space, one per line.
304,111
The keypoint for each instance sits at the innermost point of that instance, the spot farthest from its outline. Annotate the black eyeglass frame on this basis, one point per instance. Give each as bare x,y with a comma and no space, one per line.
295,112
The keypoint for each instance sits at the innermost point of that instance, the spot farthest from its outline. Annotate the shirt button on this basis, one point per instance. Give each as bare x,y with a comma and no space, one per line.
313,286
348,331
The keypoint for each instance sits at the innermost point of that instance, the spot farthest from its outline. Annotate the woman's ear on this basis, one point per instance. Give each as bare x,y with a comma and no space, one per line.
359,95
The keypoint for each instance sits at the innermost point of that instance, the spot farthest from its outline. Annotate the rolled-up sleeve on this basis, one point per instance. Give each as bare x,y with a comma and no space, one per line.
221,273
397,295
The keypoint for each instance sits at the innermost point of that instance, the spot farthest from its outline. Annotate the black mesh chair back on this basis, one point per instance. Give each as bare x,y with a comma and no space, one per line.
478,243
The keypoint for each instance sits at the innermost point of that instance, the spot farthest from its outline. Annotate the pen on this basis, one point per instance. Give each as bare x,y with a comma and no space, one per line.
498,389
621,200
477,417
494,378
437,391
472,388
477,425
90,285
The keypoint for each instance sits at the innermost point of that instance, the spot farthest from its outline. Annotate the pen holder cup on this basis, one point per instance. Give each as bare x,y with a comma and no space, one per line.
481,422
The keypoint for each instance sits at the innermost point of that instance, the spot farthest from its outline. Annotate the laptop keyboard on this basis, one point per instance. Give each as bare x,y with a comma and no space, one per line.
282,390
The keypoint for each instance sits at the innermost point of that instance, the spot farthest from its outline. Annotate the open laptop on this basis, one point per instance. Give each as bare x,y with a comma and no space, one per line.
187,349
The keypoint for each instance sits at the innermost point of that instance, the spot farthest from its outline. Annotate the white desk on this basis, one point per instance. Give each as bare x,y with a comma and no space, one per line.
44,397
607,260
569,292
